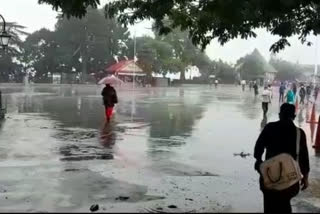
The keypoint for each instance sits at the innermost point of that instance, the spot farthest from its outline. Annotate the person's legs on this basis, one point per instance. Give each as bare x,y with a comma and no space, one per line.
268,203
274,203
264,108
109,113
106,112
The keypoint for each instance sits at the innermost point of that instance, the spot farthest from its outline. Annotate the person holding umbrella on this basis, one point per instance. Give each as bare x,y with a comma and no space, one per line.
109,95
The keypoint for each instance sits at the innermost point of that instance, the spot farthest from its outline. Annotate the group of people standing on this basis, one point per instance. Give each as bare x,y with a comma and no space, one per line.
252,85
289,92
282,137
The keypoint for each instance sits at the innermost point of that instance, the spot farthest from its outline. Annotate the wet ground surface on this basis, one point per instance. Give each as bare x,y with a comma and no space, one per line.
166,150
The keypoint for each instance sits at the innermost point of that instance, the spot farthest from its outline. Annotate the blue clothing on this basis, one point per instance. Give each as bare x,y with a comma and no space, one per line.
290,97
282,89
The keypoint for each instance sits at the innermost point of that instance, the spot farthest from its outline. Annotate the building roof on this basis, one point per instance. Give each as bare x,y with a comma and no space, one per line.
124,66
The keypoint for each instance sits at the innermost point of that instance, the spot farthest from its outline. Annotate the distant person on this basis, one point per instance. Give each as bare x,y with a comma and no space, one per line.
276,138
110,98
250,85
290,96
316,91
302,94
294,88
255,88
309,91
266,99
282,89
243,84
216,82
270,89
210,82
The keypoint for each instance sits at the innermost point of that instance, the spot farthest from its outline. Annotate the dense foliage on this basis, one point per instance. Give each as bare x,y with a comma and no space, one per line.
209,19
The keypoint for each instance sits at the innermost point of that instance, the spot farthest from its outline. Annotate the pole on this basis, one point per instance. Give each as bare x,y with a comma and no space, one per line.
133,77
1,109
316,63
134,55
4,24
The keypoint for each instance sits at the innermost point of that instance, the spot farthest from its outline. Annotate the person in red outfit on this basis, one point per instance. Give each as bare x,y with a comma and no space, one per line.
110,98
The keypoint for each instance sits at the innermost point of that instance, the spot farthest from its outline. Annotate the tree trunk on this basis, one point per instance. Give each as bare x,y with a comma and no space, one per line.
182,75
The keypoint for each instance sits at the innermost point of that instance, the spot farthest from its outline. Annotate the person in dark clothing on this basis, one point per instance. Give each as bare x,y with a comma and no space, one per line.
309,90
316,91
110,98
276,138
302,94
255,88
282,89
294,88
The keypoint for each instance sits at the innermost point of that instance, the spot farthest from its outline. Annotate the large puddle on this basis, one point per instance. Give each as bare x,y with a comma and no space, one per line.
166,150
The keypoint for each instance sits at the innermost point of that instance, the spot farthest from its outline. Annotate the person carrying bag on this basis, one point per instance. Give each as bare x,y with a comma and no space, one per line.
287,161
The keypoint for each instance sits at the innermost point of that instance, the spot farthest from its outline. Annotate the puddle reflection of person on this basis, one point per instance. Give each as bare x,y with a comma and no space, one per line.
300,117
264,122
108,135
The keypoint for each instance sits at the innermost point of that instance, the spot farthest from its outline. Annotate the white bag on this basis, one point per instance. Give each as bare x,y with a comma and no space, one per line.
281,171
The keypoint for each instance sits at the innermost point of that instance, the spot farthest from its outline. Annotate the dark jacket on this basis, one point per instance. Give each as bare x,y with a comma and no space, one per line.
302,92
280,137
109,95
309,90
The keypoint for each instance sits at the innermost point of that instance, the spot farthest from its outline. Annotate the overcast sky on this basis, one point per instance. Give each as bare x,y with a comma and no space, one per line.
34,16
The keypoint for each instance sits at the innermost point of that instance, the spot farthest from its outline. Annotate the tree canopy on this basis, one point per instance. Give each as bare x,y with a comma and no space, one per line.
75,46
9,58
208,19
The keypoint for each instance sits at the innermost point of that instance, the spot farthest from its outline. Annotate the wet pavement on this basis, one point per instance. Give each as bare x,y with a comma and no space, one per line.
166,150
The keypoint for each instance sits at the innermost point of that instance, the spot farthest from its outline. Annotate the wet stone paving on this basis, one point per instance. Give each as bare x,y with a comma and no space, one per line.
179,149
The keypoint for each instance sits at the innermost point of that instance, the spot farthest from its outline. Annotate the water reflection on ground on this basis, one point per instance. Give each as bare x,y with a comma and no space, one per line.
163,145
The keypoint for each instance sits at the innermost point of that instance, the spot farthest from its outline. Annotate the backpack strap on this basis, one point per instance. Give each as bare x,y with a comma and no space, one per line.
298,143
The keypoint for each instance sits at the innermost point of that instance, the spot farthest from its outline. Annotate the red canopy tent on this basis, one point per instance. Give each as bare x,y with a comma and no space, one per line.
125,68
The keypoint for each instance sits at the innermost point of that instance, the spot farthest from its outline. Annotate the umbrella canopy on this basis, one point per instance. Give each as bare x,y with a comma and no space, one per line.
112,80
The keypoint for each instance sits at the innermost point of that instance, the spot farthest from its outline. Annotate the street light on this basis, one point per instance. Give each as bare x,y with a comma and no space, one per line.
4,36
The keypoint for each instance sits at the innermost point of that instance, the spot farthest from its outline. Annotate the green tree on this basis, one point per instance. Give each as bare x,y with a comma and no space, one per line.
185,51
155,56
224,71
91,42
224,19
286,70
10,66
42,55
251,66
207,19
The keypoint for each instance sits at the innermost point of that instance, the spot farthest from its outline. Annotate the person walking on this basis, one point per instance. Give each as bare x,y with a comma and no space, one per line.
294,88
110,98
243,84
282,89
302,94
250,85
266,99
270,89
316,91
216,82
309,91
276,138
290,96
255,88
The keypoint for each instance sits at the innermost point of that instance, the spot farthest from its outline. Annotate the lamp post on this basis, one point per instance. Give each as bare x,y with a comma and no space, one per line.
4,41
4,36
